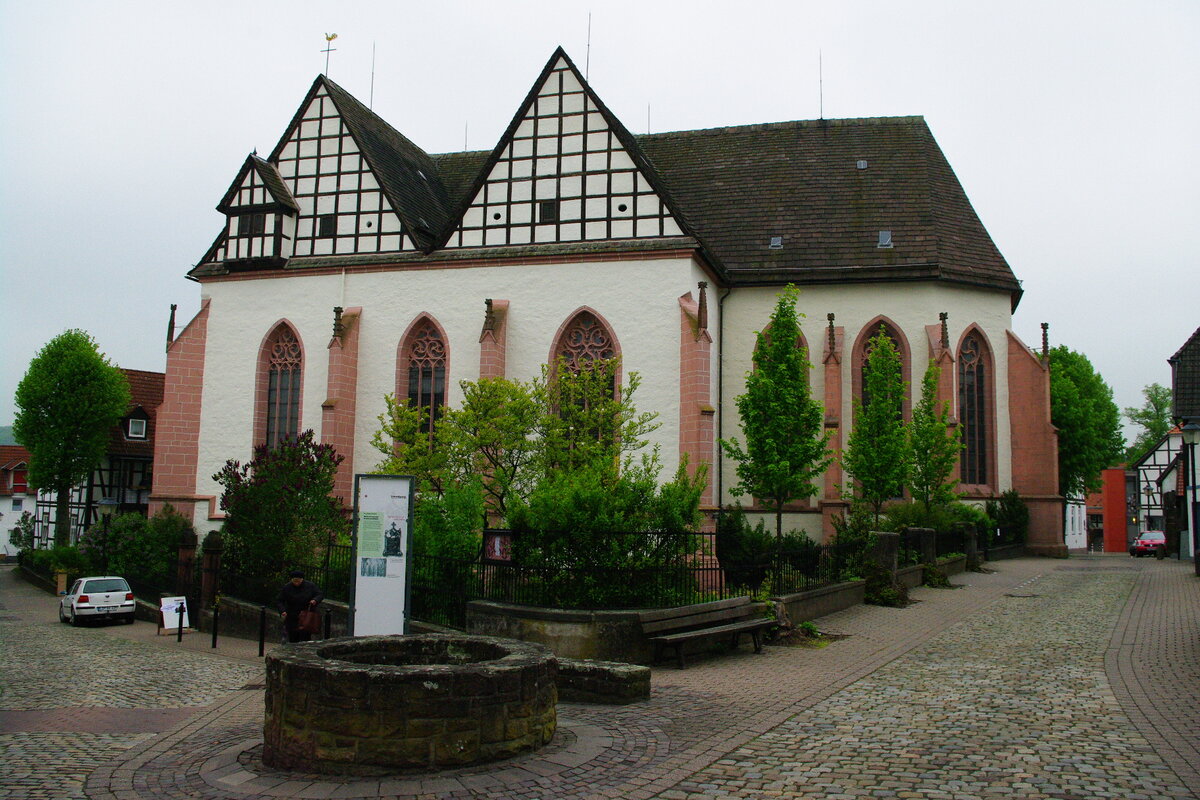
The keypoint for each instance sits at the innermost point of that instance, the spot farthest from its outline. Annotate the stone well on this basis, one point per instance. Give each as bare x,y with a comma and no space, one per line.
372,704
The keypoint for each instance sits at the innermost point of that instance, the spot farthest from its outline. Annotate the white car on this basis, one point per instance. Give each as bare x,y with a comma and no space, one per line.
98,597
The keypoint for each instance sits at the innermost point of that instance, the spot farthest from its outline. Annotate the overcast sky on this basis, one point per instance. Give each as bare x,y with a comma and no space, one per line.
1073,127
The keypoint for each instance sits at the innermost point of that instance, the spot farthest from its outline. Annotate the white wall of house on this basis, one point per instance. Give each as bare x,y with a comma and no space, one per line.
910,306
542,298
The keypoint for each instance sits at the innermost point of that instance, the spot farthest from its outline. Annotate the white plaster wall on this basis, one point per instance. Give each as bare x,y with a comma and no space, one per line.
542,297
911,306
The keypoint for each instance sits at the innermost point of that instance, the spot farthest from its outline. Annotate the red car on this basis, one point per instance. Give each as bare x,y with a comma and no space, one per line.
1148,543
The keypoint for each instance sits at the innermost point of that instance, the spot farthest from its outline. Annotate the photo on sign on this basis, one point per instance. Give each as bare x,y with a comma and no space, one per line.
393,541
374,568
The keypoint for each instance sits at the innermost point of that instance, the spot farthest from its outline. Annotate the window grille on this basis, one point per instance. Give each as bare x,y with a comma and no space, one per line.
427,373
972,410
284,368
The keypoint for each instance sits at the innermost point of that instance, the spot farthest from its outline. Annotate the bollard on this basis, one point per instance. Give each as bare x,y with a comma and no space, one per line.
328,621
179,630
216,617
262,630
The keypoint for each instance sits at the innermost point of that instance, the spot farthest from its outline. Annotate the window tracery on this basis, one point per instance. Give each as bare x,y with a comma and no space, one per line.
285,364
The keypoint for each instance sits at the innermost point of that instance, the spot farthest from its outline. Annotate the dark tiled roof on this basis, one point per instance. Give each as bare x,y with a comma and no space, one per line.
1185,379
407,174
733,189
146,392
800,180
458,172
271,179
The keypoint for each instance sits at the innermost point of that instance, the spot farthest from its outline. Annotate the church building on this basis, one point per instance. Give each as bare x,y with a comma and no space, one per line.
352,264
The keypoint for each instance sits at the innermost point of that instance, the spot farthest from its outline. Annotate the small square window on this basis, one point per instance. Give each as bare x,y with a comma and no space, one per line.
252,224
885,239
18,503
326,225
547,211
776,243
137,429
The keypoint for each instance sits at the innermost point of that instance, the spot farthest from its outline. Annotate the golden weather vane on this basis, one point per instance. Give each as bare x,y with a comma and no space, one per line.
329,37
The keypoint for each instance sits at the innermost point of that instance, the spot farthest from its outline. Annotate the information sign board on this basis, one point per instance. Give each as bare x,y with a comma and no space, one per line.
382,539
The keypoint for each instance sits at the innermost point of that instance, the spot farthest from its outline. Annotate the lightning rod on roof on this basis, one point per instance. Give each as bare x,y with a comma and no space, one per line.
371,99
820,85
329,48
587,59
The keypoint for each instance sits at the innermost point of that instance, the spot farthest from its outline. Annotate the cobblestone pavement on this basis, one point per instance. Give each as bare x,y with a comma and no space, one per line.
73,699
1022,684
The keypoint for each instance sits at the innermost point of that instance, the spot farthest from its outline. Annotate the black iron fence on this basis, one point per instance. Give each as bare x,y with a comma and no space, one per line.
951,541
331,573
443,586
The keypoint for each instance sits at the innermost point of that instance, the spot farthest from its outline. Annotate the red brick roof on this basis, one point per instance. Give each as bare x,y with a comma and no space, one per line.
146,390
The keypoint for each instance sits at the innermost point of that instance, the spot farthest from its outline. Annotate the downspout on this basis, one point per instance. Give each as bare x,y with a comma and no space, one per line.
720,397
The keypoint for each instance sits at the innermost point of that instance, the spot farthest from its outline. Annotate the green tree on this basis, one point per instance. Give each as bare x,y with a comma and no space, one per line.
586,418
280,509
1154,419
68,400
487,444
491,438
934,445
786,443
877,455
1089,429
403,440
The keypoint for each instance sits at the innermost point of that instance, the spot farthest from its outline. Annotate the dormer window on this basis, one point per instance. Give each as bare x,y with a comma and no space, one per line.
136,429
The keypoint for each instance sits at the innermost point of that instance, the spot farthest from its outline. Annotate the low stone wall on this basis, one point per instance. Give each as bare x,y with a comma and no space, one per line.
823,600
1001,553
602,682
912,576
369,705
596,635
953,566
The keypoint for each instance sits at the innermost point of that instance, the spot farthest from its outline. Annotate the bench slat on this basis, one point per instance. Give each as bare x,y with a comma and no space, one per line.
656,614
697,620
748,625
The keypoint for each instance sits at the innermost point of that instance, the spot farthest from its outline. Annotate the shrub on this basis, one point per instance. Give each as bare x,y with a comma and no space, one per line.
743,550
21,535
279,508
1011,516
64,558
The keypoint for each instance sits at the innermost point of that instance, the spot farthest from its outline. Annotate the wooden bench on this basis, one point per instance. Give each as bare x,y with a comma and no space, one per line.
674,627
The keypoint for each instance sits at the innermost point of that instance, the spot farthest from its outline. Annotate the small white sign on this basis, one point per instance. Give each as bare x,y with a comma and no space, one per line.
169,608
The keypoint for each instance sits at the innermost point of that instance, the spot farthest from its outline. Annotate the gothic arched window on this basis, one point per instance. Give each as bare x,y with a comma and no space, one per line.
424,361
974,411
863,354
281,373
585,340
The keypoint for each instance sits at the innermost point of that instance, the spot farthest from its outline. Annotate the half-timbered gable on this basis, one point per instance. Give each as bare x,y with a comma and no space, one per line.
566,170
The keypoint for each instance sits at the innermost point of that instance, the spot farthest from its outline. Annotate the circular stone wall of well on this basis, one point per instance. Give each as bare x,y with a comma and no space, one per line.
368,705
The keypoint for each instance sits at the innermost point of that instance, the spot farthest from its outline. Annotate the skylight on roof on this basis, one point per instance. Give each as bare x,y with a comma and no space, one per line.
885,239
776,243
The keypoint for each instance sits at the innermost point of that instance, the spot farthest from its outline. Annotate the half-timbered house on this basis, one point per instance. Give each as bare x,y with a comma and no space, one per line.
352,264
123,477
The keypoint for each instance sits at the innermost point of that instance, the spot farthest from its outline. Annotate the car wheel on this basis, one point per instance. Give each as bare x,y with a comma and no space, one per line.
75,620
129,619
61,616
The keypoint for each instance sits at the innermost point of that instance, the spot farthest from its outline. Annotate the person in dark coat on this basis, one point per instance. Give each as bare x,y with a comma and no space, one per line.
295,596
